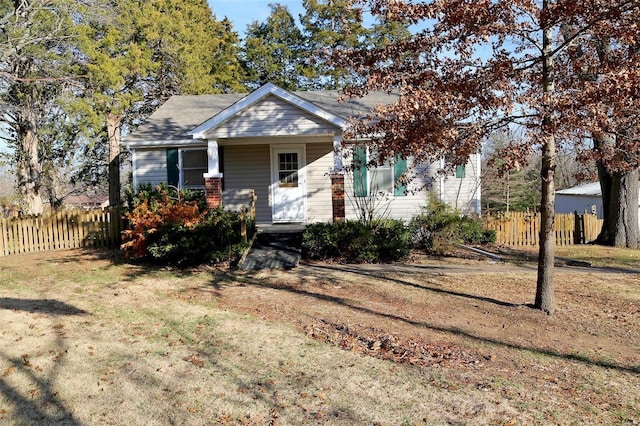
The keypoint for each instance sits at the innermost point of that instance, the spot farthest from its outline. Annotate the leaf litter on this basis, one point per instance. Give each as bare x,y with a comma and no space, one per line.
375,342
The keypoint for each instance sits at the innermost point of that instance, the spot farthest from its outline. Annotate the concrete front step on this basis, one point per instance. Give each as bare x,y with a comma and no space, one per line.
274,250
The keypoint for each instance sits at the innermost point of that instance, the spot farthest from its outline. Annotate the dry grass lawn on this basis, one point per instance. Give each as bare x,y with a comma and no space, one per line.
88,339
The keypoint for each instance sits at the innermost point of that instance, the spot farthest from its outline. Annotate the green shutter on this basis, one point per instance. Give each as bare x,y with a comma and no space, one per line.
460,172
399,168
173,172
360,171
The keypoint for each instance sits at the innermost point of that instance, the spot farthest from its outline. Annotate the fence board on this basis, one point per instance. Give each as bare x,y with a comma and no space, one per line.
60,230
519,229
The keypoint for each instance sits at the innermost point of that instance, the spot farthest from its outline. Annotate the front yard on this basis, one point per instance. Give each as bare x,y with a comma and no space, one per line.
89,339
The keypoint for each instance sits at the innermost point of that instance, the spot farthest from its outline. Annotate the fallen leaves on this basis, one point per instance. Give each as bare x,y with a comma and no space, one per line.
375,342
195,360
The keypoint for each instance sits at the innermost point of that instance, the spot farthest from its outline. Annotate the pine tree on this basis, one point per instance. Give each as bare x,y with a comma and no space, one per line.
274,51
35,57
330,26
144,52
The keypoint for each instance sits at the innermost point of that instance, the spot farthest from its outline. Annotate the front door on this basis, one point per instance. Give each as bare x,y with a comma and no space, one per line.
288,184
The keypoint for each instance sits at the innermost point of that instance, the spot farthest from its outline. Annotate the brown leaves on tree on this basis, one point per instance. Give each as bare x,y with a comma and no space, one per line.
561,71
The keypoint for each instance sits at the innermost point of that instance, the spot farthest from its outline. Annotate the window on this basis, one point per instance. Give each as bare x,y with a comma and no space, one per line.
186,167
383,178
460,172
288,170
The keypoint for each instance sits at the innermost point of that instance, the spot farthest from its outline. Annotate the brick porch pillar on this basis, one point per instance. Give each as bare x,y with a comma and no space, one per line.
337,197
213,191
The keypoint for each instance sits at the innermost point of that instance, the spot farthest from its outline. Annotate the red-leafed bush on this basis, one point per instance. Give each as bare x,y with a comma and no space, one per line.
175,227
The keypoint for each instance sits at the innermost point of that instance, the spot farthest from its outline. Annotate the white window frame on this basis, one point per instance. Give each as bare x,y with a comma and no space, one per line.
387,167
182,169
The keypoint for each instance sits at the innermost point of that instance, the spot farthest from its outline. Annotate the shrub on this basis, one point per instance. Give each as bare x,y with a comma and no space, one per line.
357,242
440,226
170,227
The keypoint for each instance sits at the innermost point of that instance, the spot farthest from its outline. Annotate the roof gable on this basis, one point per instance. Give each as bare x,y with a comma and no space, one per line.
257,96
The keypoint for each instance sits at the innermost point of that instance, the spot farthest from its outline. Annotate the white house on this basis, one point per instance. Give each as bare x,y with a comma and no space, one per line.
582,197
287,147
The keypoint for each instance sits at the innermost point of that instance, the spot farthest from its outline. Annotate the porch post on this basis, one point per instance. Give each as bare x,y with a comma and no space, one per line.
213,177
337,182
337,154
337,197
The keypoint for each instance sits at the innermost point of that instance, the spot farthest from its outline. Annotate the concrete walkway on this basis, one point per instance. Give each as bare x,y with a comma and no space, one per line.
274,249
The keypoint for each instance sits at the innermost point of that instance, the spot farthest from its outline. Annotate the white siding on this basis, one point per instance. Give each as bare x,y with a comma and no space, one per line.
151,166
248,167
319,165
390,206
272,117
462,193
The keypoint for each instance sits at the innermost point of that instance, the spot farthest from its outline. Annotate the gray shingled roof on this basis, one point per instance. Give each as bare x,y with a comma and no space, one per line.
181,114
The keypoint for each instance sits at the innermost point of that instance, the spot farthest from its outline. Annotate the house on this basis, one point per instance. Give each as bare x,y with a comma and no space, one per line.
287,147
581,198
586,197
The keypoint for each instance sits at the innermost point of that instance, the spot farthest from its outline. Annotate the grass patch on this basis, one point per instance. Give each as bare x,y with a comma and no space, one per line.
212,346
602,256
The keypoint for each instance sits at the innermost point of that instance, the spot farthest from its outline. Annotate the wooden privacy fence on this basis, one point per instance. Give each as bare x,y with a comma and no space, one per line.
523,228
64,229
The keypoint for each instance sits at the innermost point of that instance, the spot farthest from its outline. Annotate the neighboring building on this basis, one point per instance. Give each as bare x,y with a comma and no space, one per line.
286,147
86,201
580,198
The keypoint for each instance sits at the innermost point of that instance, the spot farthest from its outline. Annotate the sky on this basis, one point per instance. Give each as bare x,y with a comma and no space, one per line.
243,12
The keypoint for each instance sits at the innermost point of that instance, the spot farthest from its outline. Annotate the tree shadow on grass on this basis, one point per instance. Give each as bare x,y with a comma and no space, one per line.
47,306
133,269
377,275
252,280
41,405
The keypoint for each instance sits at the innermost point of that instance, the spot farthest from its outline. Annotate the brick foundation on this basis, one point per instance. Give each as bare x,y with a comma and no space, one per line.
213,191
337,197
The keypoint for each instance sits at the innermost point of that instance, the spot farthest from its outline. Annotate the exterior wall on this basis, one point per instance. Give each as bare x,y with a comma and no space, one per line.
151,166
462,194
319,165
271,117
247,167
567,203
390,206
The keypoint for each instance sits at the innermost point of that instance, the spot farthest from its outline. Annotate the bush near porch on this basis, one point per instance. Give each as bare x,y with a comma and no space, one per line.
170,227
387,240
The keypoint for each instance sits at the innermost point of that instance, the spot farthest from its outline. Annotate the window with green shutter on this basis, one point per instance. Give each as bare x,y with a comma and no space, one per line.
173,168
399,169
360,177
383,178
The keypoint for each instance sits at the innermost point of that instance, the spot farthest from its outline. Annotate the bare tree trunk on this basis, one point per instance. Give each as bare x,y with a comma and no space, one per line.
113,136
545,299
28,165
619,202
620,208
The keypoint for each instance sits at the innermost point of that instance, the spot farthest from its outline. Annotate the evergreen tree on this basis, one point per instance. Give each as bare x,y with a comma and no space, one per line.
330,26
36,65
274,51
144,52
